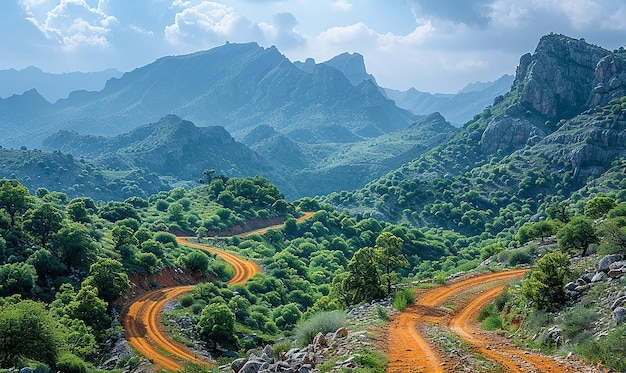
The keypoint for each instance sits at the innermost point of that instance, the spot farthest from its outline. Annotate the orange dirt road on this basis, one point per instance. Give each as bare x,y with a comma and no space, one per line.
410,350
141,319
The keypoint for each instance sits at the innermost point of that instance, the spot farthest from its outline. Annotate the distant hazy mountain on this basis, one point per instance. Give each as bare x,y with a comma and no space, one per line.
52,86
457,108
237,86
351,65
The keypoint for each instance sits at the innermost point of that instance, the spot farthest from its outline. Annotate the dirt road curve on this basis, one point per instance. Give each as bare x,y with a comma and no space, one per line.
410,350
142,318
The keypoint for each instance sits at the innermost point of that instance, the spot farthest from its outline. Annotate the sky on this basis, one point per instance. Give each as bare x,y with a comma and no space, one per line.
430,45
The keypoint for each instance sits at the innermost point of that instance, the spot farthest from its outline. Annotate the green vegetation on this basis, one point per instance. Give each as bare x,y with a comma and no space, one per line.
403,298
322,322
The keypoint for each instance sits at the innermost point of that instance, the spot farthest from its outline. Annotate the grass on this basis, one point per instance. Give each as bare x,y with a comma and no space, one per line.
321,322
403,298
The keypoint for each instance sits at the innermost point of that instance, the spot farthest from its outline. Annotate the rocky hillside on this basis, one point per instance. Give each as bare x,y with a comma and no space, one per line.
557,132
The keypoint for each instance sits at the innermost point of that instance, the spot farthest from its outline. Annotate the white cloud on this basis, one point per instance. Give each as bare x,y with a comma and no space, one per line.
617,20
341,5
72,23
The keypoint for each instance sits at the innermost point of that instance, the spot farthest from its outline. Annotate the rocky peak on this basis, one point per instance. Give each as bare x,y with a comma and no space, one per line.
352,66
557,78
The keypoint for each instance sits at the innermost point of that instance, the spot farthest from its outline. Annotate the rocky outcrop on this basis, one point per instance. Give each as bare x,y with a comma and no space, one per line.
557,78
511,131
610,79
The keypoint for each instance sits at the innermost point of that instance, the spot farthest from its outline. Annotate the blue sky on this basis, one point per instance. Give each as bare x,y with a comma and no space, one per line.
432,45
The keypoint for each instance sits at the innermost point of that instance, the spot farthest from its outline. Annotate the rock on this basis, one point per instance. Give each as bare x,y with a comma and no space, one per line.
617,265
512,128
553,335
605,263
253,366
621,293
619,315
319,341
237,364
570,286
26,370
230,353
268,350
580,282
587,276
600,276
616,273
341,333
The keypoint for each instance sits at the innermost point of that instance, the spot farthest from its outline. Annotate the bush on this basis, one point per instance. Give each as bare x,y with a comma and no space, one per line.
493,322
185,300
382,313
70,363
518,257
281,347
403,298
322,322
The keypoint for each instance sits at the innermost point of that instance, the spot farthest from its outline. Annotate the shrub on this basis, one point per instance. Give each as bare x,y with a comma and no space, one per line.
185,300
382,313
70,363
493,322
281,347
518,257
322,322
403,298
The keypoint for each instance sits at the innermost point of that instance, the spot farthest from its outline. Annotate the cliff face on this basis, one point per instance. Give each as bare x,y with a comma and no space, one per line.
557,78
609,79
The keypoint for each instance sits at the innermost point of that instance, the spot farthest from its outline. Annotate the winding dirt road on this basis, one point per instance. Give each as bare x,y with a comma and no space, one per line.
410,349
142,318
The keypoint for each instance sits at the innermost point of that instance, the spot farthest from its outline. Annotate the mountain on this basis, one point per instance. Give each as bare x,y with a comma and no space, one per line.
457,108
52,87
236,86
171,147
179,152
557,135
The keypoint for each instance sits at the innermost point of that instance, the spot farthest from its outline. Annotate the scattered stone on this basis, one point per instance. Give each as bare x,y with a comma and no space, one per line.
600,276
268,350
26,370
618,265
605,263
554,335
570,286
616,273
619,315
319,341
237,364
341,333
620,301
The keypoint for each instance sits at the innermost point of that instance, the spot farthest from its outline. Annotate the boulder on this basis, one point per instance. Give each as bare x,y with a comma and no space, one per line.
616,273
268,350
600,276
319,341
619,315
605,263
618,265
341,333
237,364
253,366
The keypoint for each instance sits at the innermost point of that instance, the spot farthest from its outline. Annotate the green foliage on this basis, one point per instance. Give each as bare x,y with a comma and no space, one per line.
402,298
17,278
598,206
108,276
545,285
217,323
14,198
382,314
27,331
88,307
114,211
42,221
321,322
74,245
389,257
196,261
578,234
166,238
70,363
518,257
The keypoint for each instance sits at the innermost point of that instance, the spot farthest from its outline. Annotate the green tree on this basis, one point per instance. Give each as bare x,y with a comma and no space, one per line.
597,207
545,286
389,256
217,323
87,306
108,276
27,330
14,198
42,221
578,234
149,262
46,263
17,278
74,246
541,229
152,246
176,212
123,235
363,279
77,211
196,261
